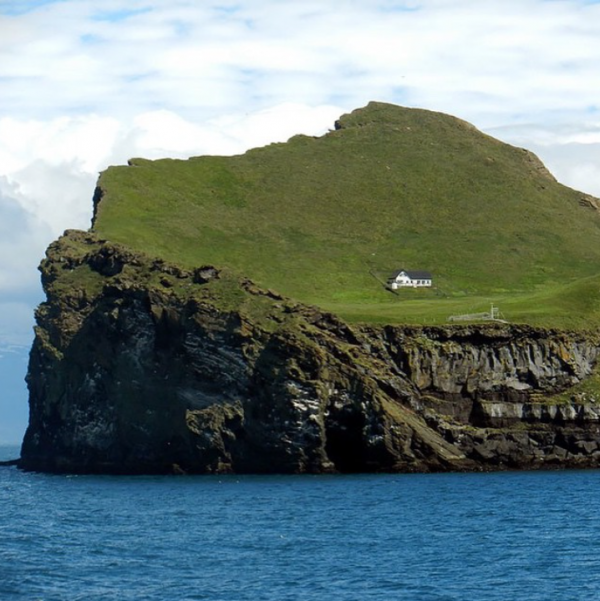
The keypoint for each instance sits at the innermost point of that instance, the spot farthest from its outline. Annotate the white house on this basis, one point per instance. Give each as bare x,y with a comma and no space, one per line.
409,279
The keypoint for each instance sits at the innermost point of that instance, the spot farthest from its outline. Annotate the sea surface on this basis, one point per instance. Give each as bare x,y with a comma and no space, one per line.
504,536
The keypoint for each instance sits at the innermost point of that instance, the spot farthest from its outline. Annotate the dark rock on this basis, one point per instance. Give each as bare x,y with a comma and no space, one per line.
205,274
140,366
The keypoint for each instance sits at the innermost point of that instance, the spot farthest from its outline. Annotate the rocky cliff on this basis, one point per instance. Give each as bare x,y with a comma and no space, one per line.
140,366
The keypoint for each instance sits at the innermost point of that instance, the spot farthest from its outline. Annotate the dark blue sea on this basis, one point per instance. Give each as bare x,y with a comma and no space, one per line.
442,537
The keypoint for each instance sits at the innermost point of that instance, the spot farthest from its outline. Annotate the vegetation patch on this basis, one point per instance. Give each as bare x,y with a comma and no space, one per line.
326,221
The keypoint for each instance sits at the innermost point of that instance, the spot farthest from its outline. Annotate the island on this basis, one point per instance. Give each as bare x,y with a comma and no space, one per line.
235,314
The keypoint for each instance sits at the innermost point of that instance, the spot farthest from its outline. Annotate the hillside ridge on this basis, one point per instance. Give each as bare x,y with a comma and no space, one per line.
327,219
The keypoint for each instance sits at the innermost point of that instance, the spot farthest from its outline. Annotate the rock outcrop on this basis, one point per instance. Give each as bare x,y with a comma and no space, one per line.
140,366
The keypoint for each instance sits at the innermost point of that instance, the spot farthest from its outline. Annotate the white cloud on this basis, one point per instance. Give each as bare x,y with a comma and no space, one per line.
571,151
16,324
574,164
22,239
201,61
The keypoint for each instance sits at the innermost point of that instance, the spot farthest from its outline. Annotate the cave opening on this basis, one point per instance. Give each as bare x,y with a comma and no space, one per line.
344,444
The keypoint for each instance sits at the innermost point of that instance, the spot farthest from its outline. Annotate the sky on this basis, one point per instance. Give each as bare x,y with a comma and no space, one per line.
85,84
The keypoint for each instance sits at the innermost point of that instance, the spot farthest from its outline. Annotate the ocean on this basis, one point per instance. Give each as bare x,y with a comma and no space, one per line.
509,536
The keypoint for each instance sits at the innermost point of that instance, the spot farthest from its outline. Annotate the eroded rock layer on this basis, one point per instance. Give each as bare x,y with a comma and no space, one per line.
139,366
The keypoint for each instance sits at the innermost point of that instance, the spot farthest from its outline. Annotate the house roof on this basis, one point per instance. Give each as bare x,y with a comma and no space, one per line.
413,275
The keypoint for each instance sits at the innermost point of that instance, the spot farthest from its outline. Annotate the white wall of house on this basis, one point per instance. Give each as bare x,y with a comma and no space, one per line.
402,280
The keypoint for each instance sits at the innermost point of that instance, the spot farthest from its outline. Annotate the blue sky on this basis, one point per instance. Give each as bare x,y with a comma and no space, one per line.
87,84
20,7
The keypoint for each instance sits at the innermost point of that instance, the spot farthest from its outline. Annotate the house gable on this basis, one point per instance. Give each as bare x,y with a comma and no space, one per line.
410,278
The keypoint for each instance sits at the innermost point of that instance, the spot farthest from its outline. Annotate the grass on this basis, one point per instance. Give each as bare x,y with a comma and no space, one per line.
323,220
575,305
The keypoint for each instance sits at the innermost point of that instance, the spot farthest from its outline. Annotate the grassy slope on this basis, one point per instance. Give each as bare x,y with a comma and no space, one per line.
320,219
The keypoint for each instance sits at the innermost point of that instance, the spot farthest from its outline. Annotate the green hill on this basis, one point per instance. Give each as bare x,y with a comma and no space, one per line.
325,220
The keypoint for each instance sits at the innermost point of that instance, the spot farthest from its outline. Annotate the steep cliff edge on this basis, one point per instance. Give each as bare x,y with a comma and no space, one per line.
142,366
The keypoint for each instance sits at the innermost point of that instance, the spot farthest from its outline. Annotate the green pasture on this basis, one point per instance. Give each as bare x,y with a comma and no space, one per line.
326,220
571,306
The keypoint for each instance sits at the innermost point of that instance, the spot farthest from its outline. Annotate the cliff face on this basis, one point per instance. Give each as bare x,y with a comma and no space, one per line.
139,366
